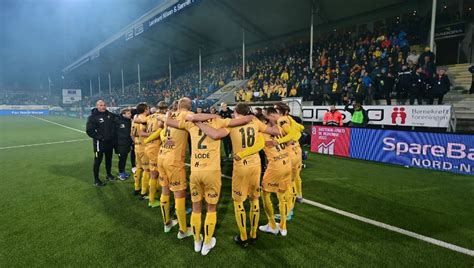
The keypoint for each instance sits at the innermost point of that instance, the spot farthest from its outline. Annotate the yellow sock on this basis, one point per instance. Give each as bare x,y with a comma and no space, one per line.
299,190
268,205
165,208
291,197
158,186
196,225
283,207
136,177
254,217
145,181
152,191
209,226
180,208
240,218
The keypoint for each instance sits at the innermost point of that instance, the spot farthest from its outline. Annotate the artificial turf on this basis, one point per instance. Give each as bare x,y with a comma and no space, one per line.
51,214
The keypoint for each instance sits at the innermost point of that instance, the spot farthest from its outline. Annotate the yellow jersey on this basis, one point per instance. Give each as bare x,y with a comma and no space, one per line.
205,152
245,136
276,154
136,127
152,125
248,96
175,153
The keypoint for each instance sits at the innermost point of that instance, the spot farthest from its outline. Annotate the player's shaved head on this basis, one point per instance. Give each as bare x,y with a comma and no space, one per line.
185,103
100,105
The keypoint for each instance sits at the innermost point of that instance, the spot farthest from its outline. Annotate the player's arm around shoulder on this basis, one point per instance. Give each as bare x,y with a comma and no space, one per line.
214,133
235,122
258,145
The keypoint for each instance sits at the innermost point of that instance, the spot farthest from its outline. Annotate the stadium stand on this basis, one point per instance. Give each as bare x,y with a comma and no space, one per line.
372,65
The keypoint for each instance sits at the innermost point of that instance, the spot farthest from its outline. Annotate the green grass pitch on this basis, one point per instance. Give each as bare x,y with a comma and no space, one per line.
52,215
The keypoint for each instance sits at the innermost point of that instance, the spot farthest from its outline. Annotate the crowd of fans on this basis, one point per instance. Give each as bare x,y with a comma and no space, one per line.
214,75
19,97
347,67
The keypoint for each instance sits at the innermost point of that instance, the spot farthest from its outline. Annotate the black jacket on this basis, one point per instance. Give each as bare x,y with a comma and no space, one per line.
226,114
405,80
418,85
101,126
440,85
122,130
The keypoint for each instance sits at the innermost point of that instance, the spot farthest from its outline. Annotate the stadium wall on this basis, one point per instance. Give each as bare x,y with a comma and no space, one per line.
437,151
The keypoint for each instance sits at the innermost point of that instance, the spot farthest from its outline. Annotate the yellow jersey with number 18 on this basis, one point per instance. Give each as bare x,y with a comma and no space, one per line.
243,137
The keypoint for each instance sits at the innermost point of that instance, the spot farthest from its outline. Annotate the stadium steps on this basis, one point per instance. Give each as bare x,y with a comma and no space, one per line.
459,76
464,109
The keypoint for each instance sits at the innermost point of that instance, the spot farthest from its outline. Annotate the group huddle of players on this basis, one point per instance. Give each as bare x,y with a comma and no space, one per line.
161,139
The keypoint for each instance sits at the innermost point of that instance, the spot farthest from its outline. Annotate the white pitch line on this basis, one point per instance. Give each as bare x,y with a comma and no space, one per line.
430,240
40,144
392,228
384,226
61,125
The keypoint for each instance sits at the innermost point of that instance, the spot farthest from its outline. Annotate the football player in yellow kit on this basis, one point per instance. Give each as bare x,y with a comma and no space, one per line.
293,129
142,172
172,174
246,171
152,147
205,179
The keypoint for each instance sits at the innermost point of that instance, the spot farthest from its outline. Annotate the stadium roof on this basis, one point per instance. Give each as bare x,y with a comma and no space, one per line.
178,28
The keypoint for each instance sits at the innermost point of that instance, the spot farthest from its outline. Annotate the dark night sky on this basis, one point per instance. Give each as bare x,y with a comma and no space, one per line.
40,37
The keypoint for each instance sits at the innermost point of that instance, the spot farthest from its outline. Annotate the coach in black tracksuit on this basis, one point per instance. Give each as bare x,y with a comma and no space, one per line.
124,142
101,128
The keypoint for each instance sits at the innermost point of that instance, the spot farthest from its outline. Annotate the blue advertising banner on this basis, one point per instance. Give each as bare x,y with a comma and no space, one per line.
445,152
24,112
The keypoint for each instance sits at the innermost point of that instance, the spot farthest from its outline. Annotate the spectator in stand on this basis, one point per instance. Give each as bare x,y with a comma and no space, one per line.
248,95
428,66
427,55
388,83
336,93
333,117
367,82
360,91
404,83
199,110
418,87
440,85
225,112
413,57
359,115
284,76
